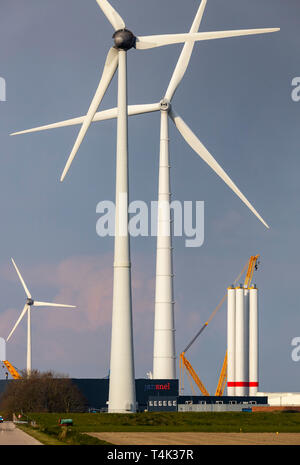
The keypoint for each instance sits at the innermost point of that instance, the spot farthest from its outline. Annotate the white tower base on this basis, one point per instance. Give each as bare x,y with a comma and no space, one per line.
122,380
164,366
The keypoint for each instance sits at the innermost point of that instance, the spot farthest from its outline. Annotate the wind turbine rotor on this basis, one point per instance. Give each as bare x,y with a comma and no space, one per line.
124,40
30,302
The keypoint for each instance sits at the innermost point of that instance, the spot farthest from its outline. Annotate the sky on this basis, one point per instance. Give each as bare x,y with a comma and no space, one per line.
235,96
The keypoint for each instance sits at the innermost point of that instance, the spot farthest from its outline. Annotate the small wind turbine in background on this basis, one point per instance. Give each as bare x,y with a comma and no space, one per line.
122,380
27,309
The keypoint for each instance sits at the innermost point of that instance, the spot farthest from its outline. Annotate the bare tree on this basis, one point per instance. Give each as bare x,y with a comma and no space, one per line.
42,392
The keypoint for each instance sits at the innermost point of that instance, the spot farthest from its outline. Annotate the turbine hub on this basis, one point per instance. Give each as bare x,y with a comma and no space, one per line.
124,39
165,105
30,302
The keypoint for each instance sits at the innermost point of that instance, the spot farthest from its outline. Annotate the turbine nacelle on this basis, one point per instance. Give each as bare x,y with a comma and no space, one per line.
30,302
165,105
124,39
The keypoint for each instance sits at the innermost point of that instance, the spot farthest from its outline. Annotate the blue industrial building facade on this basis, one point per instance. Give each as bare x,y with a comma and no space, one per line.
152,395
95,391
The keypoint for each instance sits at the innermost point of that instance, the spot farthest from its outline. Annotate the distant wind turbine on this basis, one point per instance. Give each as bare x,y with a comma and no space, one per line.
27,309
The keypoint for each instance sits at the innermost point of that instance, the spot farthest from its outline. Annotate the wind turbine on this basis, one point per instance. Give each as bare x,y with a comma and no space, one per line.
27,309
164,356
122,382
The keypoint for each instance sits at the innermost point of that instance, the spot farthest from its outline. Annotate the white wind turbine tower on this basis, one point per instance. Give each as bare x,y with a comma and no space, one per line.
27,309
122,382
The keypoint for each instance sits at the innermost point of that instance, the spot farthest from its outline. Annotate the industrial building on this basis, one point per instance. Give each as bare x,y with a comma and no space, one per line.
282,399
158,395
96,391
205,404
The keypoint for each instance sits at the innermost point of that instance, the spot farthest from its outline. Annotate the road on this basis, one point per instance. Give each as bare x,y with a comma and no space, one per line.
12,436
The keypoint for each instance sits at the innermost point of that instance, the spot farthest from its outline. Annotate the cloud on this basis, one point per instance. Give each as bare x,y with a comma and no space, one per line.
84,281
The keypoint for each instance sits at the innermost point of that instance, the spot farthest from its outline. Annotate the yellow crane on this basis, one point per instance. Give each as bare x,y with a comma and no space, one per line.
223,378
11,369
253,264
185,365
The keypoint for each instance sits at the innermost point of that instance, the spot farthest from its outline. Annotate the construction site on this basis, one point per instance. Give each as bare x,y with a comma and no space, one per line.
238,385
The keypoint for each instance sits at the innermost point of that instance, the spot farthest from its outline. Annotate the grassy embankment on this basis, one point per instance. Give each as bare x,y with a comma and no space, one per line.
60,436
47,428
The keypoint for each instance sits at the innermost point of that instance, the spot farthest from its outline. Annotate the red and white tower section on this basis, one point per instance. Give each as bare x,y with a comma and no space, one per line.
242,341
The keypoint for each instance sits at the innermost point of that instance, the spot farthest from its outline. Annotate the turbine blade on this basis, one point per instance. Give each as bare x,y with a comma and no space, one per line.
112,15
22,280
18,321
110,67
99,116
61,124
185,55
144,108
199,148
48,304
146,42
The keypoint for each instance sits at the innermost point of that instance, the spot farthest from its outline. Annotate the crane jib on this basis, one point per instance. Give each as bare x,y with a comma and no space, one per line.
194,339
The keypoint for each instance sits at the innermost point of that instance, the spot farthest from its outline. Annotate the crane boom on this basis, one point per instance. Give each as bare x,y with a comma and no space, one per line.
196,337
12,370
186,364
253,262
222,379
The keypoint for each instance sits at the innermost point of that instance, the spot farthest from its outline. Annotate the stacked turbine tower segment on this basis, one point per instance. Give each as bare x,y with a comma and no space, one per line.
242,341
121,390
246,339
231,314
253,341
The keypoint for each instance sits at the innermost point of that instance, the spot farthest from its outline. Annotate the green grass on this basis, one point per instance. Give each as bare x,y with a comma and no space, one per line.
42,437
54,435
170,422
